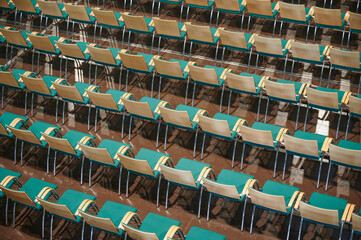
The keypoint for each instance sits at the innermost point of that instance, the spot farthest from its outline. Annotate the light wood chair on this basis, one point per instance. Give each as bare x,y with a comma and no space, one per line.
262,9
53,10
354,106
354,25
26,7
174,2
200,4
231,6
356,223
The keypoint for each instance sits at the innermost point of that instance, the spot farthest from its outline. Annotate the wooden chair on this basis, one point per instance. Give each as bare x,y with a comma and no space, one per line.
53,10
356,223
354,25
174,2
262,9
12,120
6,6
26,7
354,106
231,6
200,4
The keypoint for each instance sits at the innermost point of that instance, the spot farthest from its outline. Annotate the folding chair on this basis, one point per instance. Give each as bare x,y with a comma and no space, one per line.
345,60
68,145
245,83
189,174
138,24
173,69
140,63
309,53
295,13
29,7
155,227
230,185
208,76
110,101
346,154
202,35
106,154
326,99
238,41
145,164
356,224
285,91
27,195
354,106
262,9
13,80
195,233
308,145
354,25
53,10
146,109
325,210
170,29
110,218
272,47
12,120
263,135
328,18
174,2
75,94
68,207
274,197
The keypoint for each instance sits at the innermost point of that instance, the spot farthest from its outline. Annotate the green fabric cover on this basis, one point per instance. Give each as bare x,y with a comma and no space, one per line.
74,137
154,223
6,118
39,127
328,202
3,174
152,157
196,233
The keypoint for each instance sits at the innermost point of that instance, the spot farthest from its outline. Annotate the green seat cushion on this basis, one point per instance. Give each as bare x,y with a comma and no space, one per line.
267,127
298,91
328,202
330,90
74,137
112,147
309,136
171,2
154,223
193,166
6,118
231,120
39,127
3,174
152,157
196,233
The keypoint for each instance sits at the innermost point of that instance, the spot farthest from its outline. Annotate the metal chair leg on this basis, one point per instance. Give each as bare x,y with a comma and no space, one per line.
289,225
200,202
300,229
229,100
255,69
284,167
265,116
244,211
242,157
319,172
328,174
221,101
204,139
338,123
158,190
276,159
194,90
305,124
348,125
223,51
186,97
254,209
195,142
127,186
209,205
130,127
90,173
259,104
165,137
234,150
166,197
298,113
82,170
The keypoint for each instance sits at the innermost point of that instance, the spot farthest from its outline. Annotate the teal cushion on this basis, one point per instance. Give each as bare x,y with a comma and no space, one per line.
196,233
3,174
112,147
154,223
39,127
152,157
328,202
6,118
74,137
171,2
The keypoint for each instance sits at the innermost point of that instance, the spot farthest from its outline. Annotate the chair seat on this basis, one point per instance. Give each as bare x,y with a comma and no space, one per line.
3,174
39,127
232,121
340,95
112,147
177,2
299,89
74,137
196,233
154,223
275,131
274,13
152,157
309,136
64,13
117,95
247,36
328,202
120,23
258,82
191,111
215,38
6,119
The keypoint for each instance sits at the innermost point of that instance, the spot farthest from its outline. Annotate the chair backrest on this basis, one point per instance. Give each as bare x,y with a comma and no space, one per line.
260,7
61,210
221,189
70,50
356,222
25,135
239,82
13,37
3,130
133,61
77,12
4,4
268,45
306,51
256,136
105,17
101,55
138,108
24,5
7,78
326,216
102,100
198,2
139,235
201,74
35,84
215,126
232,5
166,27
355,105
199,33
345,156
349,59
269,201
59,144
325,16
136,165
280,90
41,43
307,147
69,92
322,98
178,176
233,39
135,22
98,154
18,196
168,68
180,118
355,21
50,8
292,11
98,222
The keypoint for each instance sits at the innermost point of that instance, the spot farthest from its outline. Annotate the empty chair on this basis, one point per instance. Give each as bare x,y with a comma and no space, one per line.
325,210
174,2
238,41
230,185
202,35
285,91
200,4
187,173
6,5
106,154
354,106
222,126
262,9
68,145
53,10
109,217
346,154
231,6
275,197
356,224
29,7
28,195
68,207
272,47
263,135
246,83
308,145
145,164
354,25
12,120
